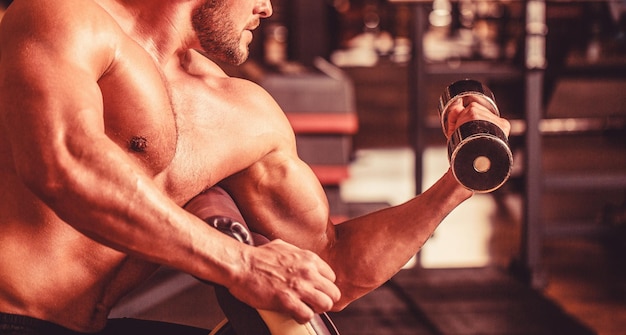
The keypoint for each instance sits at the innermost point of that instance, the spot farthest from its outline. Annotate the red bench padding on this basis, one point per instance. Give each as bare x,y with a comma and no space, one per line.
330,174
323,123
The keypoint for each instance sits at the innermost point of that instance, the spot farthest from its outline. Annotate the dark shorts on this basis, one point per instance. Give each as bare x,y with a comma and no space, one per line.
11,324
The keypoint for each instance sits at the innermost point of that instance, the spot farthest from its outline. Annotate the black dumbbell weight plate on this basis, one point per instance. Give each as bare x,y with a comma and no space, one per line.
480,156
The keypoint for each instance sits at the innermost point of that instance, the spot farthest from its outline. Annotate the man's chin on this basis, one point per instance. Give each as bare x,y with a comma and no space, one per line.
236,59
229,57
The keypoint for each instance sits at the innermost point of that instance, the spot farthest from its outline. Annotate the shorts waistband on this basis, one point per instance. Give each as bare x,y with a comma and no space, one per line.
14,323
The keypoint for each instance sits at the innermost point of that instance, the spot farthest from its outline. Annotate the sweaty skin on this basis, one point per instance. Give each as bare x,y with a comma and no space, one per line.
111,121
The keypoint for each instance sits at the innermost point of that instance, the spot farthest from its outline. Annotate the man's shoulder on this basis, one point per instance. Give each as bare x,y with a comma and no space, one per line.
64,13
197,63
78,32
61,22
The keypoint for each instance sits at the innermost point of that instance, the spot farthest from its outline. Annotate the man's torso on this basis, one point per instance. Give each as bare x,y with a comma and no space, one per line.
181,128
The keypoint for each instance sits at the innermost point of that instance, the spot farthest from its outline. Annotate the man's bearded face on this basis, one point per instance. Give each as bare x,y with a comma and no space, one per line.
218,34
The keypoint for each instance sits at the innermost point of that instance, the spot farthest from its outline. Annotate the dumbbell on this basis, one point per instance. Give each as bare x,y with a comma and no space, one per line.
478,151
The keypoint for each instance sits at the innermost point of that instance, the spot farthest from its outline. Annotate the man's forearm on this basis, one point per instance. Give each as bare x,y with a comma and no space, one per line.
103,194
370,249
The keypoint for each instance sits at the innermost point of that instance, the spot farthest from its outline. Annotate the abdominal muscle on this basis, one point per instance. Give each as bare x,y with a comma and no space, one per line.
51,271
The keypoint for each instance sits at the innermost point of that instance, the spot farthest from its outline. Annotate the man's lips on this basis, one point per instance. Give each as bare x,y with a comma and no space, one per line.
252,26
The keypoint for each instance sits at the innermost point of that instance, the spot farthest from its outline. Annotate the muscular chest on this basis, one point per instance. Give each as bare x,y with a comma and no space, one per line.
138,114
216,135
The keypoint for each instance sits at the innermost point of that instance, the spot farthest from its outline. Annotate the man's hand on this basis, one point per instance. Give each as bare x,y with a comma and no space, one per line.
478,150
283,278
468,109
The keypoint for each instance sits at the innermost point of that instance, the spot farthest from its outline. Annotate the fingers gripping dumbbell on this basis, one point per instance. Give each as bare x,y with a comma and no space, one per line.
479,153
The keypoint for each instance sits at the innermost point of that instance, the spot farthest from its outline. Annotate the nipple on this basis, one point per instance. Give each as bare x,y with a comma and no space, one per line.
138,144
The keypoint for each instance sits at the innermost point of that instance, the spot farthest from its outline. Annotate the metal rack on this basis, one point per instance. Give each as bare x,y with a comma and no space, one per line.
532,75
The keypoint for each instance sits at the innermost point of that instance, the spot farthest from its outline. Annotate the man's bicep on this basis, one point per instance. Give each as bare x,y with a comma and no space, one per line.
283,200
49,91
43,99
43,68
50,63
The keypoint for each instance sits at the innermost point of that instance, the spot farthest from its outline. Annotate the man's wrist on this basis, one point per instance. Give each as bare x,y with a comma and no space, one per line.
458,190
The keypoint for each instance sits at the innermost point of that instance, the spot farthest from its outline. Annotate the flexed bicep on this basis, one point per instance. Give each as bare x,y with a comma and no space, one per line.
282,198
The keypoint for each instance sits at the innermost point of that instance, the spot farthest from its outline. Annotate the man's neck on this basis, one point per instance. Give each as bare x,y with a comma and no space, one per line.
162,27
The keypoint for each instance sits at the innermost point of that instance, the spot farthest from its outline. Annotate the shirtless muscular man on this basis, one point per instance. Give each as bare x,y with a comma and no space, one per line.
110,121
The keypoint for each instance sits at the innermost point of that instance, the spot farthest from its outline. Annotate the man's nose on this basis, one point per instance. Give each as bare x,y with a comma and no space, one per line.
264,8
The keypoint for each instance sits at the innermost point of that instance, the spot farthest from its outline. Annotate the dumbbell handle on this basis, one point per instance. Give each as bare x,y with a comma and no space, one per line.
479,153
